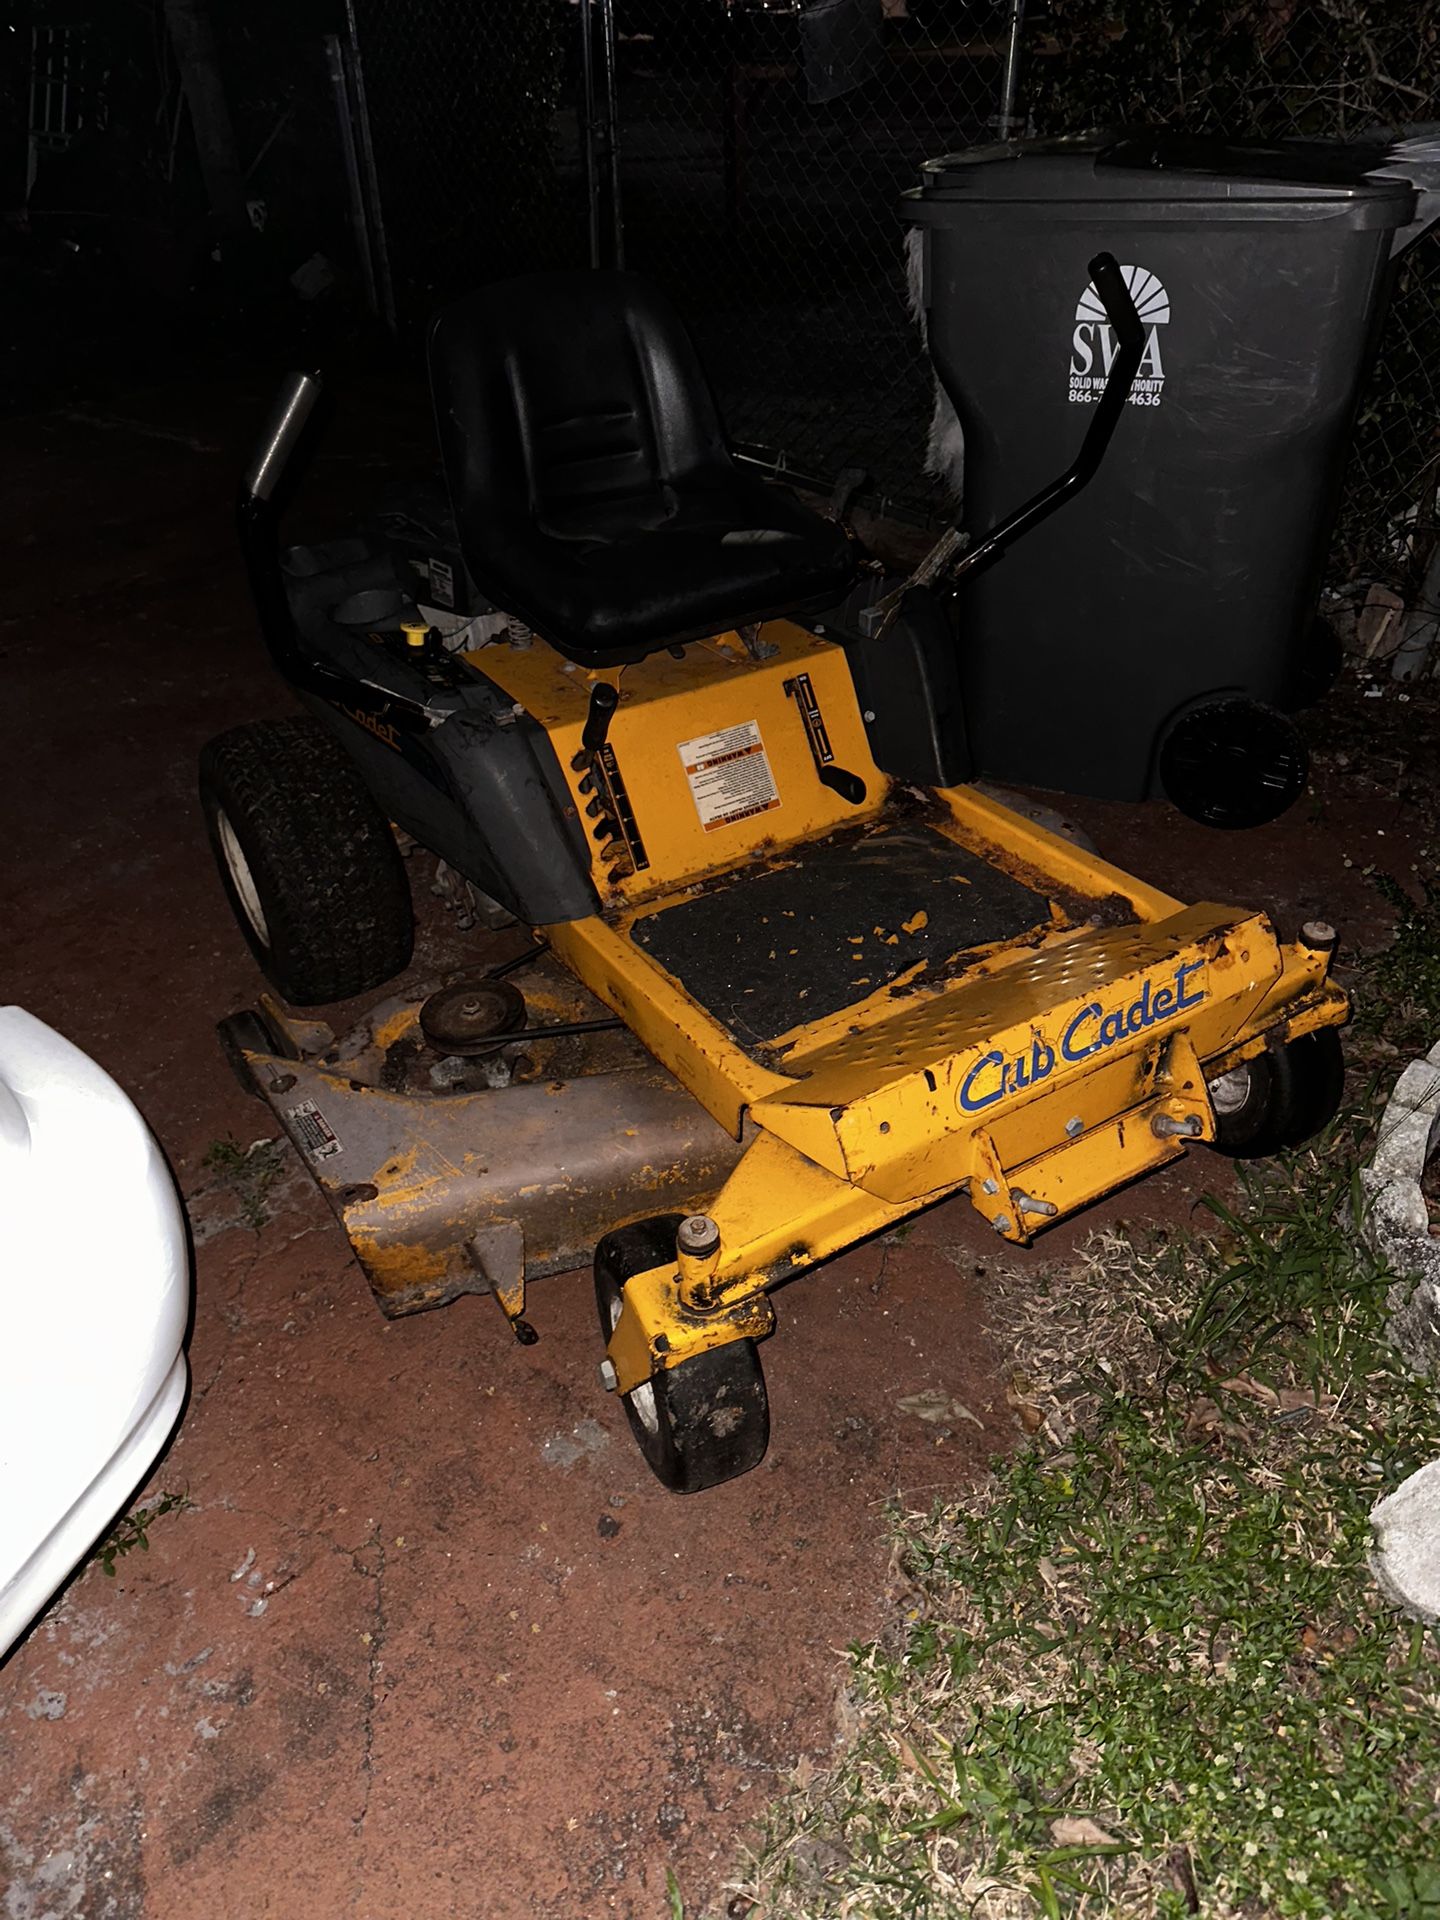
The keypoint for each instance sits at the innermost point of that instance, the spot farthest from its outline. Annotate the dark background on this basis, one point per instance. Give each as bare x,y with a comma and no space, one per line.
168,210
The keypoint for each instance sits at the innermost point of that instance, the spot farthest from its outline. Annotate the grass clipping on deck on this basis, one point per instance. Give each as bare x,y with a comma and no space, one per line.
1145,1669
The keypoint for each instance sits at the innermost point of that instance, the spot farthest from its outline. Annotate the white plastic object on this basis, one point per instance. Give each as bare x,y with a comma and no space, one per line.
95,1287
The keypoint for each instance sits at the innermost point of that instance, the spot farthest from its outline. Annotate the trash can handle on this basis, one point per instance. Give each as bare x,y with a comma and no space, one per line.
1107,277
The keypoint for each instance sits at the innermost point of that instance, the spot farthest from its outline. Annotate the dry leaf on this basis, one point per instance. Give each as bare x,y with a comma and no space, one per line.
1066,1832
1031,1418
936,1406
1205,1417
1285,1400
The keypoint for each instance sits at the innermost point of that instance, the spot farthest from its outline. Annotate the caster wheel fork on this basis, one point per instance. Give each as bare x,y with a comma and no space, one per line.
706,1420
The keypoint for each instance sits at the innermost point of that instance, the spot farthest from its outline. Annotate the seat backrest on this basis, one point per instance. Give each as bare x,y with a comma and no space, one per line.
566,401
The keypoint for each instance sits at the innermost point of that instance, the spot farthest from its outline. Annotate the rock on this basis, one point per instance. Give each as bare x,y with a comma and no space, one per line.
1398,1223
1406,1556
816,1861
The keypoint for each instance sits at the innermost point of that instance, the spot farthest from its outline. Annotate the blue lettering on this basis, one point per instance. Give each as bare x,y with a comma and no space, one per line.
1068,1048
1079,1041
973,1103
1140,1015
1113,1027
1183,999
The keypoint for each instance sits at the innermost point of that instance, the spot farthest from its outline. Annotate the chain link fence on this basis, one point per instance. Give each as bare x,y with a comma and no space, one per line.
763,145
764,148
472,117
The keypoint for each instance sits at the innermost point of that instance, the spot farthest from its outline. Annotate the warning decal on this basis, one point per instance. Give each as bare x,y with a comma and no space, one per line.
312,1132
729,774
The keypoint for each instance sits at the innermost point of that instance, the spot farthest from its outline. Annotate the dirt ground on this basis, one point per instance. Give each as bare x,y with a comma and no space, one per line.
427,1639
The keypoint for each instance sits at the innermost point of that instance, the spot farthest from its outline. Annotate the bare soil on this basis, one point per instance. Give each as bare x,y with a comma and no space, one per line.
428,1640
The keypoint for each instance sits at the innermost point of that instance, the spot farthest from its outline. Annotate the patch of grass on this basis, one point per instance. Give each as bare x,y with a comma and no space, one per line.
132,1530
1399,989
1145,1671
249,1173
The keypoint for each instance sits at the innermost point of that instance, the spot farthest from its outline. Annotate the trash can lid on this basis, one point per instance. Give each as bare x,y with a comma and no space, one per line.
1197,178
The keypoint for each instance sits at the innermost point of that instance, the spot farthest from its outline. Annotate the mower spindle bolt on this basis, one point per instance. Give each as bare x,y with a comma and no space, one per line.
1074,1126
697,1236
609,1379
1002,1223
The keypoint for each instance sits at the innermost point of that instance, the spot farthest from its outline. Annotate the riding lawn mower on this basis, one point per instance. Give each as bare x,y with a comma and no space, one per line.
791,976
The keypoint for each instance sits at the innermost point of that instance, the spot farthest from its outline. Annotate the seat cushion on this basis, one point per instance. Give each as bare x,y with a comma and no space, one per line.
593,490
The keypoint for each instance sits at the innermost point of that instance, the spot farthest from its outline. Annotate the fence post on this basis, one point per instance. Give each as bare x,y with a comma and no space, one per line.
385,286
601,135
1006,123
192,40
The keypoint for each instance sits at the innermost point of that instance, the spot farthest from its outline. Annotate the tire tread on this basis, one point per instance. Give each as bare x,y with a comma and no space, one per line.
322,856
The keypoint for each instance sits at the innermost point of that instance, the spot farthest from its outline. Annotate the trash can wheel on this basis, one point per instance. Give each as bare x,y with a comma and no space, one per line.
1233,763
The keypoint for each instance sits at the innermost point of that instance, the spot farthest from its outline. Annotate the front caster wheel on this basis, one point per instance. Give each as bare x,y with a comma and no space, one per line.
706,1420
1279,1099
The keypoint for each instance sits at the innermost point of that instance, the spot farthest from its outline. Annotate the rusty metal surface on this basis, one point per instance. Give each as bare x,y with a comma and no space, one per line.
422,1183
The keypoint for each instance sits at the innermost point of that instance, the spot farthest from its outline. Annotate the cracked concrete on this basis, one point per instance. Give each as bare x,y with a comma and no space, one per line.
428,1641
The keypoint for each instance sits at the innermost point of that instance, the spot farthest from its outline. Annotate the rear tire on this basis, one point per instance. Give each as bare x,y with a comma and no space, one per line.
705,1421
1280,1099
308,861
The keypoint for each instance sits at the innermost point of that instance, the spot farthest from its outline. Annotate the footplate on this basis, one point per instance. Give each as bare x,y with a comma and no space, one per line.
1086,1051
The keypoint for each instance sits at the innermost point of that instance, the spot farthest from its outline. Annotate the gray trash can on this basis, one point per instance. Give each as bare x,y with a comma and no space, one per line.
1145,638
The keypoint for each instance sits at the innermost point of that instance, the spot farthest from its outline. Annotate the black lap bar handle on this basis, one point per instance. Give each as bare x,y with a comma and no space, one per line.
950,559
258,514
293,407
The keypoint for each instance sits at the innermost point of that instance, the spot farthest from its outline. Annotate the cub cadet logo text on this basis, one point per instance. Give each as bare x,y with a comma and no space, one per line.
1094,346
381,729
1091,1031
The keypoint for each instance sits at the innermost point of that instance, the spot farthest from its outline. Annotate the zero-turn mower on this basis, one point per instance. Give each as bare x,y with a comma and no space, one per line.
791,978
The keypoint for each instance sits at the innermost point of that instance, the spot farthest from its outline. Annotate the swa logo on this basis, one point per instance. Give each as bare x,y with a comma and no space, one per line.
1093,345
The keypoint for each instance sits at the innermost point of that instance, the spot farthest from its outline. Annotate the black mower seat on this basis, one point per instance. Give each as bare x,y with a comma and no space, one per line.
593,491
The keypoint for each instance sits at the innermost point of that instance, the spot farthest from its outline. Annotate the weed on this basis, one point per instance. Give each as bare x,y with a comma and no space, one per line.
1399,988
249,1173
132,1530
1145,1671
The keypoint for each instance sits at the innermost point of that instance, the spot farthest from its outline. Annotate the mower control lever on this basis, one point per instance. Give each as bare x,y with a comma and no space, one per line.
603,701
258,516
1108,279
